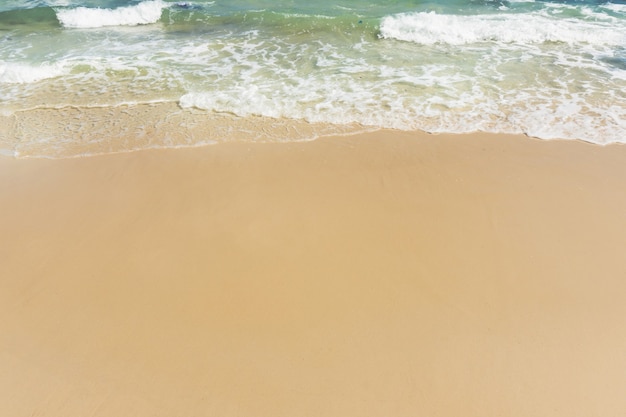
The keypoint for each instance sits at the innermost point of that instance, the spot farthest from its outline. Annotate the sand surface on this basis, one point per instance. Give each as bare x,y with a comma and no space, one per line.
386,274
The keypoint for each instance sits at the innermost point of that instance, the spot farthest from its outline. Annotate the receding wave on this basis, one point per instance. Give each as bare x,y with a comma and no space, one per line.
76,131
429,28
143,13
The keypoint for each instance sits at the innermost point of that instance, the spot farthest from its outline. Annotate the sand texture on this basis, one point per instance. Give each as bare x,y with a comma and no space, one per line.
385,274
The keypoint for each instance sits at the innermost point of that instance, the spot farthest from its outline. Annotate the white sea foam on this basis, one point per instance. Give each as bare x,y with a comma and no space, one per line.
432,28
447,102
11,73
143,13
615,7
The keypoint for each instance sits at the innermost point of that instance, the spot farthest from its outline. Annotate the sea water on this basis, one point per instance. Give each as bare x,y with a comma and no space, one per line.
82,77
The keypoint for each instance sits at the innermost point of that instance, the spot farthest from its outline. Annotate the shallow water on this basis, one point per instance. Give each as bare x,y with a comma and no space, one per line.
82,77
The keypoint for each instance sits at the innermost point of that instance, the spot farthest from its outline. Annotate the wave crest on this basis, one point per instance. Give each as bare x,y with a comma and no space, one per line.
143,13
432,28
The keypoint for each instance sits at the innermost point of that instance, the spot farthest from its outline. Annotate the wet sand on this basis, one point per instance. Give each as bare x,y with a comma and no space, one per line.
383,274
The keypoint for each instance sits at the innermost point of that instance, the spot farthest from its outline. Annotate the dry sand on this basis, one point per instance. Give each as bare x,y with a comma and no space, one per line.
387,274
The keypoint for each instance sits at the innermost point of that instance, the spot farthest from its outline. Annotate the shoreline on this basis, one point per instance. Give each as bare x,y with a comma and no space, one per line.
75,131
385,273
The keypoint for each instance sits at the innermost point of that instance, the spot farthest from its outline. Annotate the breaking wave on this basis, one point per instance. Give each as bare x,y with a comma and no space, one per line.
429,28
143,13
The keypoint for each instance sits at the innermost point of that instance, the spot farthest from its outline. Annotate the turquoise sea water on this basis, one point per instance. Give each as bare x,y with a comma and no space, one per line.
91,76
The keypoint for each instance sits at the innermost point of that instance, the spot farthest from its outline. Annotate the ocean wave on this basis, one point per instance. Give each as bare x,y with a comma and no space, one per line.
429,28
615,7
29,17
143,13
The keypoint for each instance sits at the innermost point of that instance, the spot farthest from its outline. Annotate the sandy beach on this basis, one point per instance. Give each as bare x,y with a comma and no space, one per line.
382,274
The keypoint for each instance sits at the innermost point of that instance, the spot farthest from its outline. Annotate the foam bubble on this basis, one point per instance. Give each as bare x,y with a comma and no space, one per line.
143,13
11,73
432,28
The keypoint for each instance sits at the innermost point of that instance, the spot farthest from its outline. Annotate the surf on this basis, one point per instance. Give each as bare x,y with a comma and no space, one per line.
144,13
429,28
12,73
